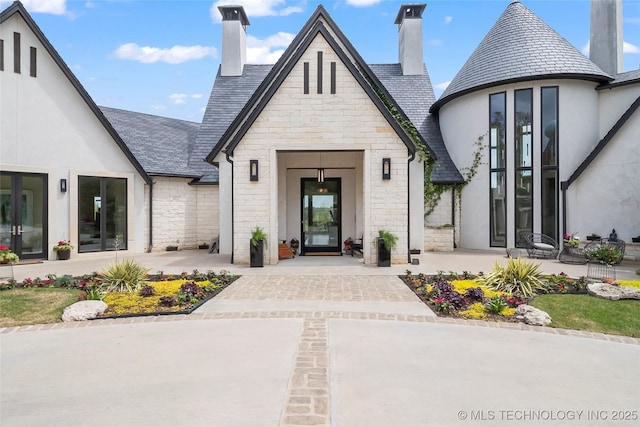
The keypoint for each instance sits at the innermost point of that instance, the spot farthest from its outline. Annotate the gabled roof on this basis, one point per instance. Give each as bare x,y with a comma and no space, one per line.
18,8
160,144
236,101
602,144
520,47
279,73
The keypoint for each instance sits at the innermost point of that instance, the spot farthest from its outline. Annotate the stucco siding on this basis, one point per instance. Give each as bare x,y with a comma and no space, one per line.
47,127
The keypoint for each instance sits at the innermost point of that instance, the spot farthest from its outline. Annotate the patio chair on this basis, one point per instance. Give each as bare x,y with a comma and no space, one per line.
541,246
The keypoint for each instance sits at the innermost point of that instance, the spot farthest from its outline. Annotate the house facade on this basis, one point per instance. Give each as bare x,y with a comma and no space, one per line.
322,146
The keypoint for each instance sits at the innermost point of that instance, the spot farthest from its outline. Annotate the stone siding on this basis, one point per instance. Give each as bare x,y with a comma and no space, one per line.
346,120
183,215
438,235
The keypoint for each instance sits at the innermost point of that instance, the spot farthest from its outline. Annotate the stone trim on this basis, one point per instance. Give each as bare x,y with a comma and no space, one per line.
323,315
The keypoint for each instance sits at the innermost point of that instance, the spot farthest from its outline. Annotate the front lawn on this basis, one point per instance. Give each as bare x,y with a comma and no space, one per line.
20,307
588,313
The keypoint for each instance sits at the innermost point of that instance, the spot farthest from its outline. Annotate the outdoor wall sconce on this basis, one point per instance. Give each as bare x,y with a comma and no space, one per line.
63,185
321,175
386,168
253,170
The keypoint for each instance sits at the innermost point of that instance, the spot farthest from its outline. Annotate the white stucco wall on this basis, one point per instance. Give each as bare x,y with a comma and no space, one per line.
183,215
46,127
607,194
578,130
345,121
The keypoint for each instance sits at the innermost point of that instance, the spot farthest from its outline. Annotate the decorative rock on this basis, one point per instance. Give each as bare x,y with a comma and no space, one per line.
83,310
532,316
613,292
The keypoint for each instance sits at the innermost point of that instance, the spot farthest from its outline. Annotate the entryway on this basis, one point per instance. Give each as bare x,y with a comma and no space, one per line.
23,213
321,215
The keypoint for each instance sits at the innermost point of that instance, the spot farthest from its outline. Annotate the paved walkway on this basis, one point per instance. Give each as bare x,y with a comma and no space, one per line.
351,347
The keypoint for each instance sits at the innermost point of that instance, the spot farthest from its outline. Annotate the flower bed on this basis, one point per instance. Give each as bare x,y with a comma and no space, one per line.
463,297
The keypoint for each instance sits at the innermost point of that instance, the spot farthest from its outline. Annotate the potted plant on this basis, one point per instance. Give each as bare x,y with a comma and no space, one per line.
605,254
256,247
386,242
6,256
63,249
571,240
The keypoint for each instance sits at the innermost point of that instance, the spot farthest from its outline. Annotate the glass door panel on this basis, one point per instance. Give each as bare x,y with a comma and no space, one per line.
321,214
23,212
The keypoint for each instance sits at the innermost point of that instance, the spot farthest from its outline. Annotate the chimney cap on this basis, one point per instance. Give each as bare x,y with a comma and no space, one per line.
413,10
233,13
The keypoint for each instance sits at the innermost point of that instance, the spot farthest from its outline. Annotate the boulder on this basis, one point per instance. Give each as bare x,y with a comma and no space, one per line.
613,292
83,310
532,316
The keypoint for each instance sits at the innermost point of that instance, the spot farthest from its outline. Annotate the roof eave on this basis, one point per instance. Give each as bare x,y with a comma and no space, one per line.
557,76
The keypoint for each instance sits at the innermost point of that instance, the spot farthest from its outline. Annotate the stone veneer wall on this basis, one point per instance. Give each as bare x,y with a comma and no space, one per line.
183,215
347,120
437,237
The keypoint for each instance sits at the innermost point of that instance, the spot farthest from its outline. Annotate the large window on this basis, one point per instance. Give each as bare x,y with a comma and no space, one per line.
102,211
549,147
498,164
523,140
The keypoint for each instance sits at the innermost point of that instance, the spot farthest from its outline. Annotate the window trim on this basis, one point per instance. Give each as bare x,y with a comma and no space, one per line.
517,168
556,166
503,170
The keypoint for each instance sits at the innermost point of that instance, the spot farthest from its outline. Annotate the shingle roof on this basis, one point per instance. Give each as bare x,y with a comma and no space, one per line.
228,96
621,79
231,95
414,94
160,144
520,46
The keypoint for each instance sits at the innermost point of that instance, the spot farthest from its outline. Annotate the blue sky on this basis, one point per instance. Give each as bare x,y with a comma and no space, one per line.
161,57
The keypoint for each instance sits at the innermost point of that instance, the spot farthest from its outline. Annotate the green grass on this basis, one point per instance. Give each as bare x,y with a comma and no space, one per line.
588,313
34,306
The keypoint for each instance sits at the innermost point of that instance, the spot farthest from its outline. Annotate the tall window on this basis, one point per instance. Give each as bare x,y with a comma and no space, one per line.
498,164
523,140
102,211
549,147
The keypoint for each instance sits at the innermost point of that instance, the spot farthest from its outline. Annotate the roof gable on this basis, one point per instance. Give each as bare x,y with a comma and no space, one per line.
319,24
18,8
520,47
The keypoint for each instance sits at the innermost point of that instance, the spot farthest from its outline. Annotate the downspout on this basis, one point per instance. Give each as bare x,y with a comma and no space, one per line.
227,155
150,245
564,186
411,158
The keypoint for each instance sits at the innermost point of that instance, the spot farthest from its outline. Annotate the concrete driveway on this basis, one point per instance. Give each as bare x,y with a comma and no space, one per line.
297,350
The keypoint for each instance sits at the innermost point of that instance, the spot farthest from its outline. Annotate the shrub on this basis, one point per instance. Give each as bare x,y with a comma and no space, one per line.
442,305
146,291
495,305
474,294
190,292
123,276
519,276
168,301
448,294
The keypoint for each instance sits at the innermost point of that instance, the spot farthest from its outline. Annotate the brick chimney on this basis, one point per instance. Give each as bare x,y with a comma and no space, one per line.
409,21
234,40
606,35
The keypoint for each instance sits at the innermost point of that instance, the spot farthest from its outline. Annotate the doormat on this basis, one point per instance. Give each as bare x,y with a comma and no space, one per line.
323,254
29,261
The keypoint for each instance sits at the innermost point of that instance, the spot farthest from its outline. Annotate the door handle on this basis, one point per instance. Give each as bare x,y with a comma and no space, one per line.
19,230
13,230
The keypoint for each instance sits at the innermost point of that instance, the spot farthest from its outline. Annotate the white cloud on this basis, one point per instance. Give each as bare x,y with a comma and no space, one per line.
362,3
56,7
269,50
255,8
178,98
172,55
158,107
448,19
626,48
630,48
443,85
196,96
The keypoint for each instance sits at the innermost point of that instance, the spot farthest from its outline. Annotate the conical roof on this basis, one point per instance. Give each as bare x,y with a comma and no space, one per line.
520,46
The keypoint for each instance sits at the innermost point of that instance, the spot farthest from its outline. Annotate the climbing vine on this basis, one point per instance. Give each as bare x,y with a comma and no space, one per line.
432,192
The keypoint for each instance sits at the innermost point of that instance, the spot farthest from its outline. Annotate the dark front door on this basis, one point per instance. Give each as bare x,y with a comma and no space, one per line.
321,215
23,213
